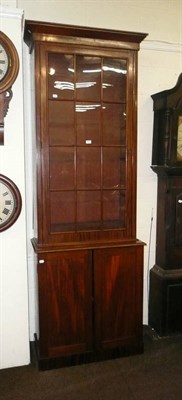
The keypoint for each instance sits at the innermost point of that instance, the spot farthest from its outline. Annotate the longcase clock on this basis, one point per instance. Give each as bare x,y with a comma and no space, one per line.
90,263
166,276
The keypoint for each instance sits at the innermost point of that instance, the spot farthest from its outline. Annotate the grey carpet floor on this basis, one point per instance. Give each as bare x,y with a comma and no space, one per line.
154,375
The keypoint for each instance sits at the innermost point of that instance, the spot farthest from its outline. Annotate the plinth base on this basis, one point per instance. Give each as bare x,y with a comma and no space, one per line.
165,301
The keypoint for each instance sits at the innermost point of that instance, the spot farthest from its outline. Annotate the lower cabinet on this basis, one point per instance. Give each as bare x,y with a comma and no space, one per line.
90,305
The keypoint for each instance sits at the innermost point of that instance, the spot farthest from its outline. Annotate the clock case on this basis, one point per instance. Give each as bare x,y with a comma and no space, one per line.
8,80
165,297
13,66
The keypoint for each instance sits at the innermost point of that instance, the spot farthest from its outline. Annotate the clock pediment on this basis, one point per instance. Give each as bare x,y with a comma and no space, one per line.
167,130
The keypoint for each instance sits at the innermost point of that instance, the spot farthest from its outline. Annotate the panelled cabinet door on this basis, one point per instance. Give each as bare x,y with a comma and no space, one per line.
118,296
65,301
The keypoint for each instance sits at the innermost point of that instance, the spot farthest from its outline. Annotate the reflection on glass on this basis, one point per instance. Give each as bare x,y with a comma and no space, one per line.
63,85
116,70
88,123
52,71
83,107
179,139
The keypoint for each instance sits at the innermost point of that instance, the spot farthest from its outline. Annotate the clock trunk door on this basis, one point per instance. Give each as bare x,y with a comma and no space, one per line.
169,222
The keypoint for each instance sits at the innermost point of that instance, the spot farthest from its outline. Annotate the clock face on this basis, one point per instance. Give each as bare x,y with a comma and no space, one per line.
9,63
10,203
4,62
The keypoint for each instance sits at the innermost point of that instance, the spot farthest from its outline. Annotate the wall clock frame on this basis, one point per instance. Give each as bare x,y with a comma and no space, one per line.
10,203
9,67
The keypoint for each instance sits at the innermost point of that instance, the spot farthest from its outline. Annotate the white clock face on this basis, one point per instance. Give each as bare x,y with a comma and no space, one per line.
7,203
4,62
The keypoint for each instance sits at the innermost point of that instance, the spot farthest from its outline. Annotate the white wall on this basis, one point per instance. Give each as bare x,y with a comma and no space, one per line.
160,63
14,330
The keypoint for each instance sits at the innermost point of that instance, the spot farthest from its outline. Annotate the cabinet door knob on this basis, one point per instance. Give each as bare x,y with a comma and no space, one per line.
41,261
180,201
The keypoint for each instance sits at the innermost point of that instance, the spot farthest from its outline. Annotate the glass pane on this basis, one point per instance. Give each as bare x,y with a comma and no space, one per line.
88,209
114,209
98,128
114,175
62,168
61,122
114,80
114,124
62,207
61,76
88,168
88,78
88,120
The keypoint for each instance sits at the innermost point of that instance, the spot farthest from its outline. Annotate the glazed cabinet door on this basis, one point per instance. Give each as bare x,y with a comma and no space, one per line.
65,303
118,297
86,130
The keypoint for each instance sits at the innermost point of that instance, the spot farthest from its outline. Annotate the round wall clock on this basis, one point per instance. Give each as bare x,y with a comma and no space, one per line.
10,202
9,63
9,67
